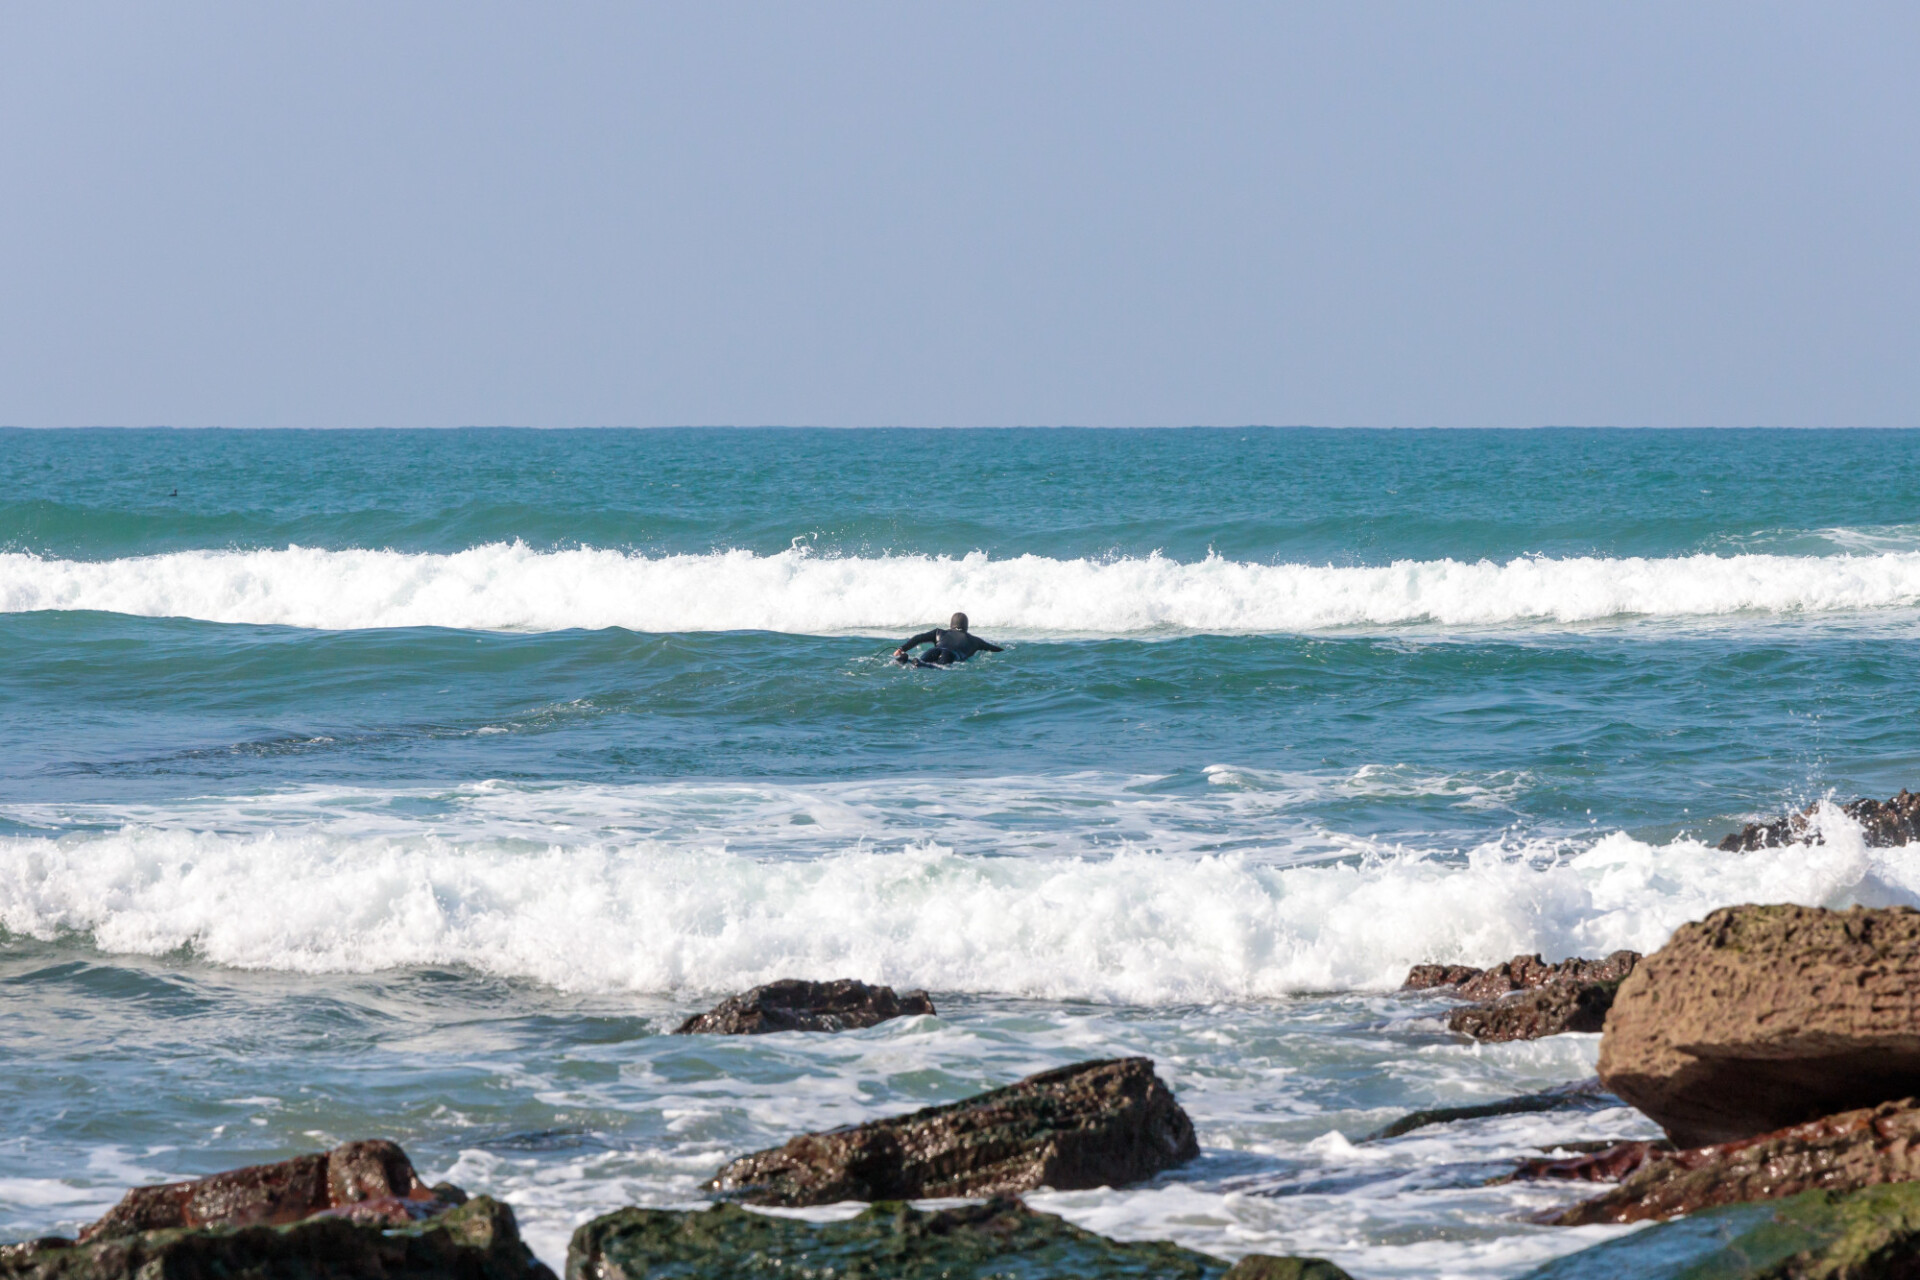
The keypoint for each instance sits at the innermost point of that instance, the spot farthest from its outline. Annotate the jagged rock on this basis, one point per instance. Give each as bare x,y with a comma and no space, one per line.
1759,1017
892,1241
1886,823
370,1180
1093,1124
1543,1011
1834,1153
475,1241
1426,977
794,1005
1818,1235
1584,1094
1522,973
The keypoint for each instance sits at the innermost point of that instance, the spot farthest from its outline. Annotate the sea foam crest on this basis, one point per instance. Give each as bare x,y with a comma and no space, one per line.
511,587
1136,927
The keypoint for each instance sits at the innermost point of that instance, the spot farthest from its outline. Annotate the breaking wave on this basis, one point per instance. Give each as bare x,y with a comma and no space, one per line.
659,915
511,587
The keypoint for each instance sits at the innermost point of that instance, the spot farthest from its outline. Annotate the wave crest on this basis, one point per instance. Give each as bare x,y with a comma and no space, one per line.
510,587
1137,927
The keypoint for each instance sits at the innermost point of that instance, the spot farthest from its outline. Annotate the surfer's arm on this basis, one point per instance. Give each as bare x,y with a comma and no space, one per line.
988,646
925,637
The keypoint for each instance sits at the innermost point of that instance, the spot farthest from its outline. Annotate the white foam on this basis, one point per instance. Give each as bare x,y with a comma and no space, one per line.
659,915
510,587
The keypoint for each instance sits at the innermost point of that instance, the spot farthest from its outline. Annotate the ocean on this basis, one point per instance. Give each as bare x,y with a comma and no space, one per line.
414,784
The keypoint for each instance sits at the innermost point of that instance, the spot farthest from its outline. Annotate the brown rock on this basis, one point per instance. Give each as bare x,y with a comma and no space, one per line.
795,1005
1759,1017
1425,977
1609,1164
475,1241
376,1174
1522,973
1543,1011
1260,1266
1093,1124
1835,1153
1885,822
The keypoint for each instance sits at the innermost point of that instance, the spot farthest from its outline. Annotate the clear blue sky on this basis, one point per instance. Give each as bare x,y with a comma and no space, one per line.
428,214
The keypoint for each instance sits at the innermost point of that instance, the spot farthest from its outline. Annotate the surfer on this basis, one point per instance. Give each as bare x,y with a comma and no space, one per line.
950,645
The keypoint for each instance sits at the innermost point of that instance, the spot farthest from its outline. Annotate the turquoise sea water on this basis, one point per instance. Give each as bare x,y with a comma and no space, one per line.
413,783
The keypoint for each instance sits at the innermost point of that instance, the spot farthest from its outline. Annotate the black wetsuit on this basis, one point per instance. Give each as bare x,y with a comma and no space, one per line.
949,647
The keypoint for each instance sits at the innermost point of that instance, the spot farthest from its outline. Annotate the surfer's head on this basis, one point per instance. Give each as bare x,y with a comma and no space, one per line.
958,622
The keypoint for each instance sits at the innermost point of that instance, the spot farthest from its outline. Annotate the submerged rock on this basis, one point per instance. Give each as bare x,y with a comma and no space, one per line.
1817,1235
475,1241
1894,821
1543,1011
1522,973
1835,1153
1760,1017
795,1005
1584,1094
1604,1162
1093,1124
370,1180
892,1241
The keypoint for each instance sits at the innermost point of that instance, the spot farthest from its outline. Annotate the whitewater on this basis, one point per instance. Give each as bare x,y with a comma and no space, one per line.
512,587
1142,926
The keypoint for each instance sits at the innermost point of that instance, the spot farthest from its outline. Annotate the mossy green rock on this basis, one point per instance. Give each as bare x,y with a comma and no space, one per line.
1871,1234
999,1240
477,1241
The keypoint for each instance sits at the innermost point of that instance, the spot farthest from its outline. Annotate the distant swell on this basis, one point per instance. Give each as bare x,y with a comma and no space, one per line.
1137,927
510,587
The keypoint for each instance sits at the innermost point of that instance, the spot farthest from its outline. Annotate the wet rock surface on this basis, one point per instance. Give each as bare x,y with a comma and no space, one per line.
795,1005
1262,1267
475,1241
1582,1095
892,1241
373,1180
1761,1017
1522,973
1835,1153
1872,1234
1609,1163
1886,823
1543,1011
1093,1124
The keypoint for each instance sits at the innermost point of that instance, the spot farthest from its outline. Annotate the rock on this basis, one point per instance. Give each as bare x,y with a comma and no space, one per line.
1759,1017
1260,1266
1818,1235
1584,1094
889,1241
1609,1162
1425,977
476,1241
1093,1124
794,1005
1543,1011
1885,823
1522,973
366,1180
1834,1153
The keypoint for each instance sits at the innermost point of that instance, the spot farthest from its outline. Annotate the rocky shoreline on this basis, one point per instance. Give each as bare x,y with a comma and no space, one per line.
1778,1046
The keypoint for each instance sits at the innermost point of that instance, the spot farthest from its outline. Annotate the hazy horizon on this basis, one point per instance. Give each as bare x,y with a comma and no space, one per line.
858,215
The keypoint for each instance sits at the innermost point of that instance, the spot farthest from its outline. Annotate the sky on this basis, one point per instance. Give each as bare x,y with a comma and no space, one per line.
847,214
